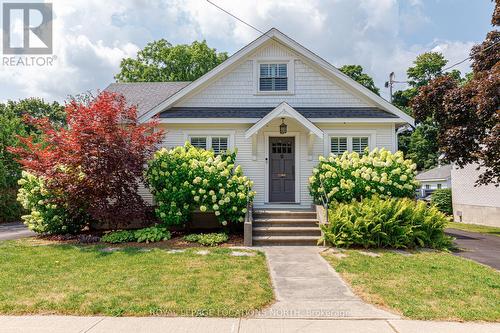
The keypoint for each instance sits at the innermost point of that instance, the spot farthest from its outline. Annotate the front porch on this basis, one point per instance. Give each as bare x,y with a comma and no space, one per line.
285,142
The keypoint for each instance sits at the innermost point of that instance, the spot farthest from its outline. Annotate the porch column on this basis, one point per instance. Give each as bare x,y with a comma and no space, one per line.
310,145
254,146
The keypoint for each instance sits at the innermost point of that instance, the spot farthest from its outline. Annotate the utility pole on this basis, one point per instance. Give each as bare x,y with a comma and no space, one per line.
389,84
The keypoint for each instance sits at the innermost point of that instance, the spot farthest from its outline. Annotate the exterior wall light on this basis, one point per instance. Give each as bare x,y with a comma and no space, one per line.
283,126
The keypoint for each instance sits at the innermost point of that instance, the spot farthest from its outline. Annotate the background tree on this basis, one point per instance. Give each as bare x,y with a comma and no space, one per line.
467,113
96,162
356,73
12,126
161,61
421,144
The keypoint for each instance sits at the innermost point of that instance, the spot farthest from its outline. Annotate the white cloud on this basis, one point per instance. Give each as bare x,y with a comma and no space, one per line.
91,37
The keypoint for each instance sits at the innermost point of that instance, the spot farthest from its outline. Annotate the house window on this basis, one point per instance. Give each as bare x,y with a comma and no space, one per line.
427,187
219,144
273,77
199,142
359,144
439,186
340,144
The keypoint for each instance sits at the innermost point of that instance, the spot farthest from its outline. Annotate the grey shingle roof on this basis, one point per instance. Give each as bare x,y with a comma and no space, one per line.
442,172
259,112
146,95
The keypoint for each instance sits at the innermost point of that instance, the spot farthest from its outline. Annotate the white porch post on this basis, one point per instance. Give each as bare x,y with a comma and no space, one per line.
254,146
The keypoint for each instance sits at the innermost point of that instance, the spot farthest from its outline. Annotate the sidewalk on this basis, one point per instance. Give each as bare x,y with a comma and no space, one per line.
307,287
69,324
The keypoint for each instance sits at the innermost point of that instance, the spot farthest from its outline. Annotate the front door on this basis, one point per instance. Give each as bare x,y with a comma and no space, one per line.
282,169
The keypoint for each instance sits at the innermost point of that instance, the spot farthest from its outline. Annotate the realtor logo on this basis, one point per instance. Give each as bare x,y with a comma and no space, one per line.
27,28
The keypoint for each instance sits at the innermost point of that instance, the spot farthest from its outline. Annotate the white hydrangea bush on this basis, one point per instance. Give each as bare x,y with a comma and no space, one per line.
45,212
186,178
351,176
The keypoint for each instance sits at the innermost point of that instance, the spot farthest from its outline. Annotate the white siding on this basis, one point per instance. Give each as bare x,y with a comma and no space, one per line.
474,204
237,88
256,169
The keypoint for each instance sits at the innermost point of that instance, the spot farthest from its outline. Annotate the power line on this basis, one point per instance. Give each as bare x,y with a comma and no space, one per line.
469,57
389,83
236,17
246,23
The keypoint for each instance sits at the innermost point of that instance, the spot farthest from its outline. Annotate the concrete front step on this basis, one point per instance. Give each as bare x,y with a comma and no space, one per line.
292,222
285,240
286,231
284,214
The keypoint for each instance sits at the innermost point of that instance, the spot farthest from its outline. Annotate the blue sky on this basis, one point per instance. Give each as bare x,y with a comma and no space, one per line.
92,36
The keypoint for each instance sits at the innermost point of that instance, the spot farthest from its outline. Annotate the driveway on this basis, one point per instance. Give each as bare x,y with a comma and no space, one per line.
478,247
14,230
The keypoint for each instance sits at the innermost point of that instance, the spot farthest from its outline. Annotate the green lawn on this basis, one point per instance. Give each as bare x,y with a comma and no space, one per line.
483,229
427,286
84,280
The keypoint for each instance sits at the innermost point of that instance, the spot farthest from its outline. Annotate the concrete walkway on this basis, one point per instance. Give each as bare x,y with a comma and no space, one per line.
69,324
478,247
307,287
14,230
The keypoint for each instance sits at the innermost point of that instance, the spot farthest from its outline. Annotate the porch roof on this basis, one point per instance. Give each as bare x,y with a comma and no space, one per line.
284,110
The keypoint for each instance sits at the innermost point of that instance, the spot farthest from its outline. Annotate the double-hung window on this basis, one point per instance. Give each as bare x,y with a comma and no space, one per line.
359,144
340,144
199,142
218,144
273,77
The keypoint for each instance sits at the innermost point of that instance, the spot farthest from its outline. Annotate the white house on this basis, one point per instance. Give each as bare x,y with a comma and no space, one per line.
434,179
242,103
246,102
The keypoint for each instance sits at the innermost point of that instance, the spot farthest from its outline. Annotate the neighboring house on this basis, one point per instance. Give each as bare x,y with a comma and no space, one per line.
434,179
474,204
280,105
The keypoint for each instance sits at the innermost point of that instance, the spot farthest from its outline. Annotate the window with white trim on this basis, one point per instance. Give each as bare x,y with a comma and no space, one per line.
359,144
273,77
198,141
340,144
219,144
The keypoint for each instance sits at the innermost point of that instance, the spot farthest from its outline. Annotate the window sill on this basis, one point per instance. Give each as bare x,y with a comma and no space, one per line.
274,93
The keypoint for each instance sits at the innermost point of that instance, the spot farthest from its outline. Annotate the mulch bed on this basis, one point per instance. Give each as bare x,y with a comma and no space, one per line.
176,242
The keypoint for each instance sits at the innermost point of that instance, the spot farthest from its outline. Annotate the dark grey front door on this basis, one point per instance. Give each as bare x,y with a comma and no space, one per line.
282,169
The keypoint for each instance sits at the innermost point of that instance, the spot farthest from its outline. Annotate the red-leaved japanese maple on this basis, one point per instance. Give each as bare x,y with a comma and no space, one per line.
95,163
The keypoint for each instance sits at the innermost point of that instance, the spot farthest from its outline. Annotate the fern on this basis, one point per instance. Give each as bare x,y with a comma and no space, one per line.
395,223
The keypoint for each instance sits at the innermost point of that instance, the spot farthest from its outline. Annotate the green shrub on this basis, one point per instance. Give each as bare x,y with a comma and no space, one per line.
186,178
396,223
152,234
442,200
353,177
121,236
10,209
145,235
211,239
46,214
